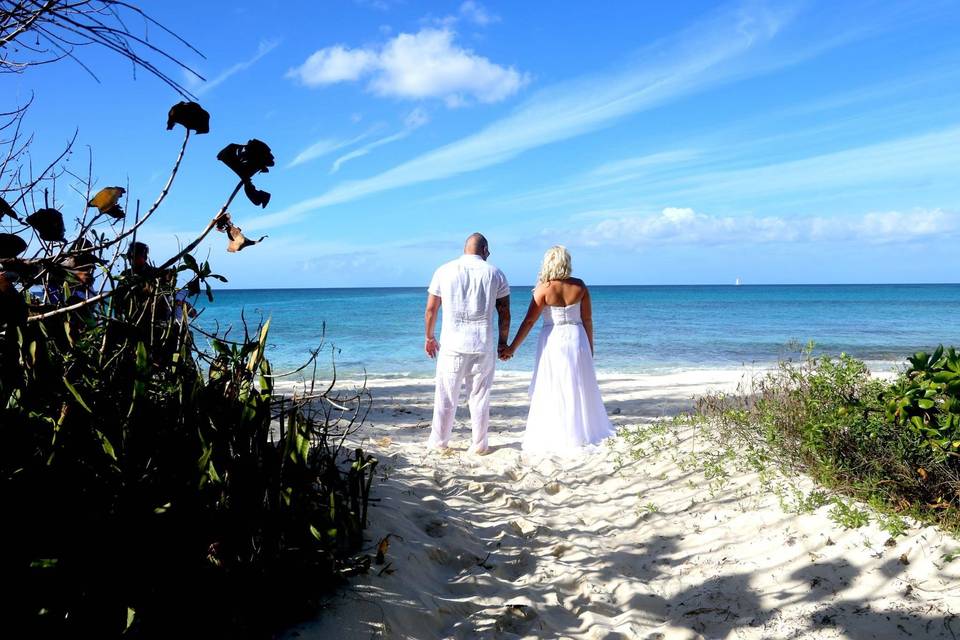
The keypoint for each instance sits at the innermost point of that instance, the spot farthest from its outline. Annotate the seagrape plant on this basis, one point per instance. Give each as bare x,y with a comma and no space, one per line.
926,398
154,482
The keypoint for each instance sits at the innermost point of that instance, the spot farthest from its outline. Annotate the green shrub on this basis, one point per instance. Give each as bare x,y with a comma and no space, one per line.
927,398
886,443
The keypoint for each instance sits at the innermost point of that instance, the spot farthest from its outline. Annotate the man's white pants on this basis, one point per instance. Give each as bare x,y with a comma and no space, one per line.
475,372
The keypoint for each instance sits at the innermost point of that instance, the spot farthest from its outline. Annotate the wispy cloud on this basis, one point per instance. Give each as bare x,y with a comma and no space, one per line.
414,120
674,225
691,62
327,146
607,179
928,156
477,13
415,66
265,47
379,5
738,166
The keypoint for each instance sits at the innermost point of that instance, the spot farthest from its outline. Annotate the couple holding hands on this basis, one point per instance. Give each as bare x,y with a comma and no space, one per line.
566,411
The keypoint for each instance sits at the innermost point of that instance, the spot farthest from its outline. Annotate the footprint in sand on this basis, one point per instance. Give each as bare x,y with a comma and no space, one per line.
518,504
552,488
436,528
491,490
515,568
475,487
453,558
511,620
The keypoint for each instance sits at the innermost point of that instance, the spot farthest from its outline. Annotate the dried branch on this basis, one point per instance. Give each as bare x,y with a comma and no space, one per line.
63,27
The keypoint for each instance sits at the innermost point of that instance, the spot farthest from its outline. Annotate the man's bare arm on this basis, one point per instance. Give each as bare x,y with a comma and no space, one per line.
430,323
503,321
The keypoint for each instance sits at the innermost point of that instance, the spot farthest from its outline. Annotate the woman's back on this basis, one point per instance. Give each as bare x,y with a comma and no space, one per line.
563,293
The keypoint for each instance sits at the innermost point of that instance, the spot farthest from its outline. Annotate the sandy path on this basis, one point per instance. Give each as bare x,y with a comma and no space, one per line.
501,546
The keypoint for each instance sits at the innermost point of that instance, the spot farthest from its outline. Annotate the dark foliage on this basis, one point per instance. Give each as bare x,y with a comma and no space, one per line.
247,160
48,223
152,487
11,245
190,115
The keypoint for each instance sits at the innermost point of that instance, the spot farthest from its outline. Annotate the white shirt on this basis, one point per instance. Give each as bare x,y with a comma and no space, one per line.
468,288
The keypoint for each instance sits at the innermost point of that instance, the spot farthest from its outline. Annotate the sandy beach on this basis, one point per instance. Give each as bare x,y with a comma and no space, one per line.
607,546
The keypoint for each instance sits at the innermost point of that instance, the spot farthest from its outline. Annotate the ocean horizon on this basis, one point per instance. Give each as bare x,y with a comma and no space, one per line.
638,328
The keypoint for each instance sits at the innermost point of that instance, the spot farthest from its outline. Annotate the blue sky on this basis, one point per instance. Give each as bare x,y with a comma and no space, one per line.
778,142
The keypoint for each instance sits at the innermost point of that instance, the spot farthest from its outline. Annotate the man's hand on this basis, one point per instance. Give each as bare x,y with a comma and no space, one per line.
431,347
504,352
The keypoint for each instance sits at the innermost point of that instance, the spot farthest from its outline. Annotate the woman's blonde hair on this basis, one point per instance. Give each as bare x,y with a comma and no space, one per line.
556,265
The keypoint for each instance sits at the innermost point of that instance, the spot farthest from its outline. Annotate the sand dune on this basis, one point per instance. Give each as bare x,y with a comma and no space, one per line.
503,546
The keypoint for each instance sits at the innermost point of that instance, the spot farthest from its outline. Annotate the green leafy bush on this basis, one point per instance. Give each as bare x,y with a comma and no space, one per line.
886,443
927,398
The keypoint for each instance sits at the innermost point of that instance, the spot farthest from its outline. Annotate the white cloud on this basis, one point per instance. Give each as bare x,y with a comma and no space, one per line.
426,64
263,49
685,226
477,13
414,120
334,64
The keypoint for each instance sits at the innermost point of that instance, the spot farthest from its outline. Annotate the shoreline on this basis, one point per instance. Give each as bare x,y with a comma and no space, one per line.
720,371
654,376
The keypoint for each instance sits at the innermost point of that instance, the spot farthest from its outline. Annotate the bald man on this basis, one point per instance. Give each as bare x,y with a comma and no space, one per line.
468,290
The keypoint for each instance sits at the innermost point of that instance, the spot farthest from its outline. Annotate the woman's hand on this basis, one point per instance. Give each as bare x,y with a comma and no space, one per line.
506,353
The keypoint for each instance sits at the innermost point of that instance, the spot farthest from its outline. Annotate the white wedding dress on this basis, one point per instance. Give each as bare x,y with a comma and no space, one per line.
566,410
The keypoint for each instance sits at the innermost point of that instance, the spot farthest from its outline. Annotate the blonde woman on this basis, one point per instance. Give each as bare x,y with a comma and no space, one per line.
566,410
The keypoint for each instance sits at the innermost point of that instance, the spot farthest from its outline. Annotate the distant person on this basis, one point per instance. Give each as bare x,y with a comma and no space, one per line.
146,285
468,290
138,256
566,410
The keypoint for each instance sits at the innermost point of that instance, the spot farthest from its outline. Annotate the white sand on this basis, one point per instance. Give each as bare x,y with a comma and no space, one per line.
501,546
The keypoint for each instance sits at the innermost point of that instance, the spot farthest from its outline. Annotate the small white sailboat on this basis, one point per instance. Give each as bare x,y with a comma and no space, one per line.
738,282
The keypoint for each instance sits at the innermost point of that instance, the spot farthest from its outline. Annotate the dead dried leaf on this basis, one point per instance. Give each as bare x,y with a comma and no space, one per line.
382,548
247,160
11,245
238,241
48,223
257,197
107,201
189,114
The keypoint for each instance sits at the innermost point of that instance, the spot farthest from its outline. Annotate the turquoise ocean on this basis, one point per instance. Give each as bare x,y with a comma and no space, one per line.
638,329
